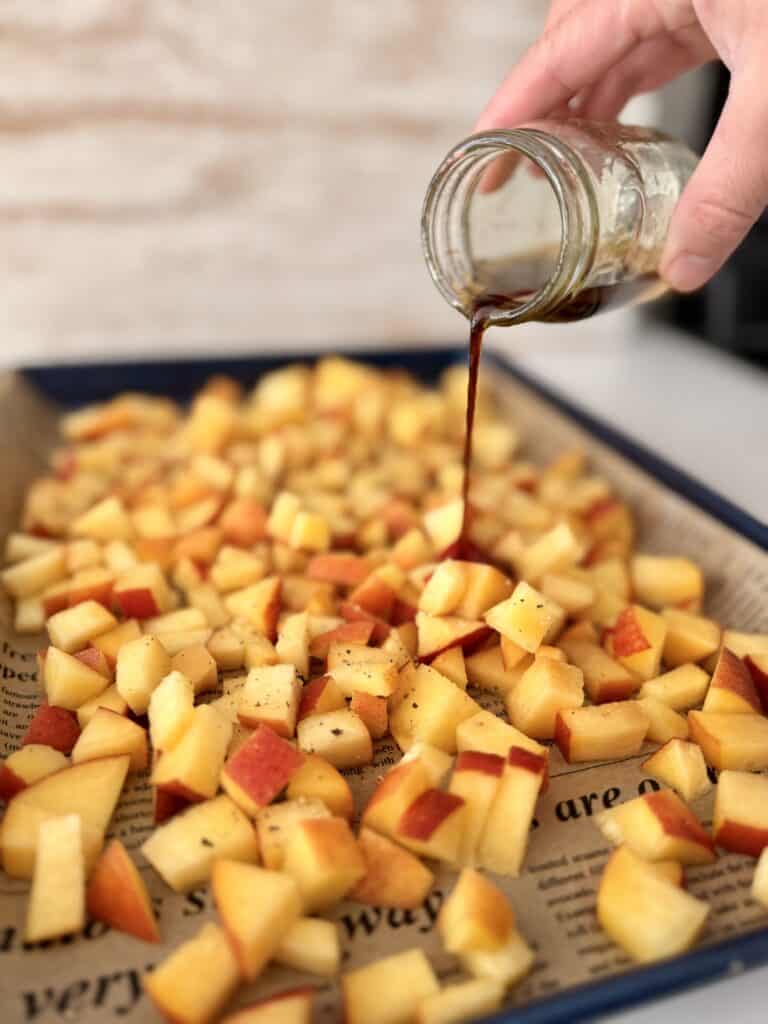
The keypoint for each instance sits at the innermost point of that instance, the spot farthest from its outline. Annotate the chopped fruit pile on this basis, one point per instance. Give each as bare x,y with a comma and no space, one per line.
245,598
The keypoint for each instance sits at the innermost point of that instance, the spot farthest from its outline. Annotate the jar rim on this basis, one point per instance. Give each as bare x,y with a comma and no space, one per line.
566,177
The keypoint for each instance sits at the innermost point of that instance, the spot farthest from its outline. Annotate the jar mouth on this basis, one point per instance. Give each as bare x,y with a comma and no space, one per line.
447,230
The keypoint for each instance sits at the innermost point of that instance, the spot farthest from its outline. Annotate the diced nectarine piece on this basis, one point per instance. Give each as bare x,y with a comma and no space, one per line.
312,945
360,668
68,681
183,849
463,1001
658,826
339,736
574,596
658,581
141,665
505,966
743,644
602,732
259,604
731,689
504,839
476,779
257,908
486,732
527,618
452,665
27,765
731,741
318,779
638,641
338,567
109,698
558,548
648,916
681,765
394,877
399,788
741,812
429,708
682,688
372,711
323,857
192,985
143,592
485,587
111,642
438,633
271,697
605,679
346,633
31,576
108,734
320,695
292,645
192,767
260,769
74,628
443,524
275,823
389,990
171,708
544,689
475,916
432,825
116,894
57,898
90,790
444,589
243,522
663,723
689,638
488,669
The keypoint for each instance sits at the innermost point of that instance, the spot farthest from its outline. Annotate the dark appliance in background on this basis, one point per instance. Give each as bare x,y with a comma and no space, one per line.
732,310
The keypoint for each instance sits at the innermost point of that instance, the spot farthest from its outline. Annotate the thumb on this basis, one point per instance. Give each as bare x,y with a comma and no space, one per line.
725,195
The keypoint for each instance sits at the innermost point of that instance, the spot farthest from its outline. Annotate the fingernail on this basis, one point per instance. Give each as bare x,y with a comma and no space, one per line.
687,271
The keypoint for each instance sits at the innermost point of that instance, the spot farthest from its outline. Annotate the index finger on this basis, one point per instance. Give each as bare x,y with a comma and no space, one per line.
573,54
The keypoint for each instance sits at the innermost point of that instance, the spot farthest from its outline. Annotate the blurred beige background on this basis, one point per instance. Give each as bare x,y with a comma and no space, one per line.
186,174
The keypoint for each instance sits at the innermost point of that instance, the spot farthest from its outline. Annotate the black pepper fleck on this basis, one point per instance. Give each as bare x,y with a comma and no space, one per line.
337,732
206,842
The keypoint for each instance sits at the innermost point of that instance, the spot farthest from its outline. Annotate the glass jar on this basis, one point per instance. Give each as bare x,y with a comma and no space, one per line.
553,220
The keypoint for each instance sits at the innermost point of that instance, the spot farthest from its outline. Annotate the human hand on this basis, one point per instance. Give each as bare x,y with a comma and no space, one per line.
595,55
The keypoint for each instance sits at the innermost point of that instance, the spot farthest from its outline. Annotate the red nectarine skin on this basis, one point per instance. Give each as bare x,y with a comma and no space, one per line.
744,839
310,694
562,736
55,603
53,727
199,545
95,659
608,691
402,612
427,813
518,757
166,804
758,669
116,894
99,592
400,516
305,992
390,783
628,637
10,783
676,819
476,761
344,570
349,632
464,550
732,674
244,522
137,604
263,765
374,595
354,613
373,711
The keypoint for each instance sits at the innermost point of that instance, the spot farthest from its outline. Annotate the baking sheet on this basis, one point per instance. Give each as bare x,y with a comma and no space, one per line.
96,976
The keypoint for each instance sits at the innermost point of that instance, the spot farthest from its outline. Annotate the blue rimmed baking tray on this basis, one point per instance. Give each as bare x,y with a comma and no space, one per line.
75,385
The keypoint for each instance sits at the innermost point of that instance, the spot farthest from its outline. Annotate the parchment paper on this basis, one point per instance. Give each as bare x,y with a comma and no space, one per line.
95,977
